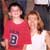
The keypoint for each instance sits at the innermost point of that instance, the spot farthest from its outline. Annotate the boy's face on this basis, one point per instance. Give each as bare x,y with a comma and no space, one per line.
15,12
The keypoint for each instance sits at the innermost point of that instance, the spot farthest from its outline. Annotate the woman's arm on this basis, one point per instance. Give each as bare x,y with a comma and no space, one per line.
48,39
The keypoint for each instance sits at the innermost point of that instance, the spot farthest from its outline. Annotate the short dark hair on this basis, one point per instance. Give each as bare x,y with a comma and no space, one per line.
15,4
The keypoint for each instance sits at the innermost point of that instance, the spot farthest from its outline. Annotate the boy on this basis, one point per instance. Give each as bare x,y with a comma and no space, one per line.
16,32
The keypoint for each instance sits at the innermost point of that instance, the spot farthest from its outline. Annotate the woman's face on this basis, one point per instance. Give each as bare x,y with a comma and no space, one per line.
32,21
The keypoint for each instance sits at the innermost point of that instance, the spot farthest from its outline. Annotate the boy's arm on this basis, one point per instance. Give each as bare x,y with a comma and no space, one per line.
24,47
5,11
48,39
2,42
6,35
6,44
27,37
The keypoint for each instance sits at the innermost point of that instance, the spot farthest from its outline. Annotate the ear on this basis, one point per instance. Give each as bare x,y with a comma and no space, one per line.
21,12
9,14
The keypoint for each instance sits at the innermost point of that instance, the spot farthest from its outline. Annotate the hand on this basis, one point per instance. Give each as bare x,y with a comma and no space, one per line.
3,44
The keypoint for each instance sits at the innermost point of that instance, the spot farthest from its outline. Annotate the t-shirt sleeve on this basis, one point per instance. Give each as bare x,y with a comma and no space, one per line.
27,36
6,32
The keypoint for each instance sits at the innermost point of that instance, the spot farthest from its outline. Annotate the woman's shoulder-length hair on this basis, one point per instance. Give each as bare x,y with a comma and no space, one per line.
40,21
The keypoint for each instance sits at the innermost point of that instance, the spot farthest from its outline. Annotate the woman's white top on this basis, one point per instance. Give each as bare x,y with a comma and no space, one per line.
42,2
38,42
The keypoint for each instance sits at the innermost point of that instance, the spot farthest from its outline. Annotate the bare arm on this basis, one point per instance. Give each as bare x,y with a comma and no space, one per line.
6,44
24,48
48,39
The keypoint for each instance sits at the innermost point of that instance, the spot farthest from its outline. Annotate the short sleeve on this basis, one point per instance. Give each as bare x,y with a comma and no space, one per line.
6,32
27,35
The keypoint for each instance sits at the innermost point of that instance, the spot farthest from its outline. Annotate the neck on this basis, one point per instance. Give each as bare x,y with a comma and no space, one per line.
34,31
16,20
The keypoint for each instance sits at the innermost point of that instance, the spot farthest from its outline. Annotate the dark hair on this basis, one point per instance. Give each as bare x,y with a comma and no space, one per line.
14,4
